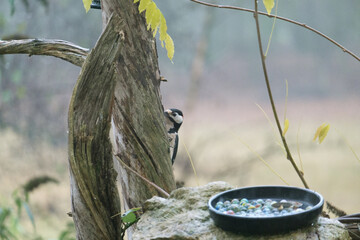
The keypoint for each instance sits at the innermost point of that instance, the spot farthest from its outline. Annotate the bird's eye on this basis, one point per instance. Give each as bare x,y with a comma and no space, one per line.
174,114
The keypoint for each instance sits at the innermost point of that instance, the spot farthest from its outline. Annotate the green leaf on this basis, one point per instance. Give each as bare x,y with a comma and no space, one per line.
130,216
29,213
269,5
4,213
169,45
87,4
18,201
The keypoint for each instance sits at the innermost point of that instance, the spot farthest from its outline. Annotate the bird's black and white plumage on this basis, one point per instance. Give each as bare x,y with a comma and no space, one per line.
174,119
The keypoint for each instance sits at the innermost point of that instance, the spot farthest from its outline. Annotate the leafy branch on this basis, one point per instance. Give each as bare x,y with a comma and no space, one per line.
283,19
155,21
128,219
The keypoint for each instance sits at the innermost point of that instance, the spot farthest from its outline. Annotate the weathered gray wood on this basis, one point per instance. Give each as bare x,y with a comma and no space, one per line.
50,47
94,192
119,82
138,121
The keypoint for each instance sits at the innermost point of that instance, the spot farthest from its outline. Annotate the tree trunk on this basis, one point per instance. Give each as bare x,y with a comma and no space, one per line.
119,83
94,192
140,137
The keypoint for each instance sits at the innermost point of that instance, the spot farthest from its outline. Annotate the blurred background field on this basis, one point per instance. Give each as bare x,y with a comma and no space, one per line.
216,79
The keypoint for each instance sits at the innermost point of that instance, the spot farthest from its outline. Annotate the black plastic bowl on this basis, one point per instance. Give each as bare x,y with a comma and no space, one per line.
267,225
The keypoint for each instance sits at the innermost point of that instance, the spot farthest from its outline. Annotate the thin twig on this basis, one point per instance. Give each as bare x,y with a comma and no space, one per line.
298,148
262,160
192,164
143,178
271,97
281,18
272,29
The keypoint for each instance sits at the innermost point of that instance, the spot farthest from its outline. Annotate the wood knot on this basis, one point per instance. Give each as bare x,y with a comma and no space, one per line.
122,35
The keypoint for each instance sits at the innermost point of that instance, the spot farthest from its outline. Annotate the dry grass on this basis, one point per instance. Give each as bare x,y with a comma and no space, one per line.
330,168
21,160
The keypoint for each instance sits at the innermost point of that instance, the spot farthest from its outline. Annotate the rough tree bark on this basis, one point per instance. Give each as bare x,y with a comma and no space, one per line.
138,122
94,194
119,84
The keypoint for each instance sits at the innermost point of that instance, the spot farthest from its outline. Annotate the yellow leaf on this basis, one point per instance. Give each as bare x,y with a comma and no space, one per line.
169,45
163,28
87,4
286,127
153,16
155,21
269,5
150,11
155,31
318,132
143,5
323,133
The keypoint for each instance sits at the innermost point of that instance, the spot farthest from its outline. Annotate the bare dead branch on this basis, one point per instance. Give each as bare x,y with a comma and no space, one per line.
50,47
262,56
162,191
283,19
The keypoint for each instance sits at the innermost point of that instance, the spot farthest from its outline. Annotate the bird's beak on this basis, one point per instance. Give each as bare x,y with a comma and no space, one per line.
168,111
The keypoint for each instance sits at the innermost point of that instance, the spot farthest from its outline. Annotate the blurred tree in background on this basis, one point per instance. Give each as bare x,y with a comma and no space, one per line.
35,91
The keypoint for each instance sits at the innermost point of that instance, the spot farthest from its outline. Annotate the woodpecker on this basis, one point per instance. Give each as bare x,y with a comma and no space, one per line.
174,119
